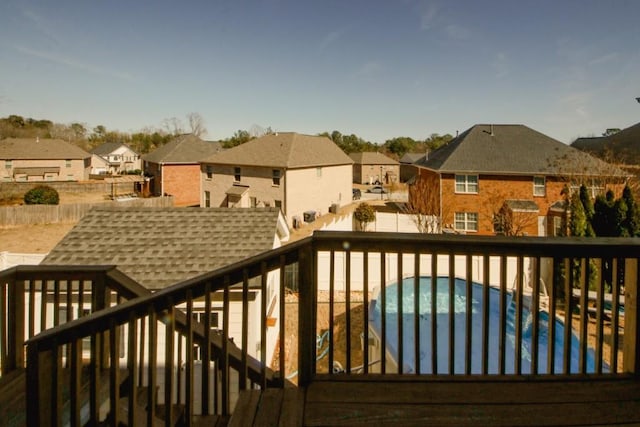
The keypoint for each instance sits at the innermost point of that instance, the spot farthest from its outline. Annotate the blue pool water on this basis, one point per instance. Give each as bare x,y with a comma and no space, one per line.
460,307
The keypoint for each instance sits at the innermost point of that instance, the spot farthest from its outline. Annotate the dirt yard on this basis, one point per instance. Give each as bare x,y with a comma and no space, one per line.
32,239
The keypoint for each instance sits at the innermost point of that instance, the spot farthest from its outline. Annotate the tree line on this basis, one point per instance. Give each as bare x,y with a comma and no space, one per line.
148,139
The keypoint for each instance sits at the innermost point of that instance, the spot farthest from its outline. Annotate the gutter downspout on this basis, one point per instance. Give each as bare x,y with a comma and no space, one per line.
285,208
161,179
441,215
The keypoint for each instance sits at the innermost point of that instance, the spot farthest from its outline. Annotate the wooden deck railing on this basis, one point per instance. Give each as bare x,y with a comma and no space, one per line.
340,304
498,305
153,358
34,299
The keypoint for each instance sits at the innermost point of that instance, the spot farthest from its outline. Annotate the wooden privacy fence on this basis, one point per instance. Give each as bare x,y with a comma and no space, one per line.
66,213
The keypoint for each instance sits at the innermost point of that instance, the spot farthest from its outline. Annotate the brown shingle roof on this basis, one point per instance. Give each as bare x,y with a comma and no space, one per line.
160,247
185,149
43,149
285,150
372,158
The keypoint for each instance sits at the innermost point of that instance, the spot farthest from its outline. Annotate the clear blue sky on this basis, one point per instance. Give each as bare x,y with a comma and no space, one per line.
379,69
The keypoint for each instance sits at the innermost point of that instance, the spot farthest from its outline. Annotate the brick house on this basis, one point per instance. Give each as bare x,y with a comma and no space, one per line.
35,159
174,168
296,173
506,179
371,167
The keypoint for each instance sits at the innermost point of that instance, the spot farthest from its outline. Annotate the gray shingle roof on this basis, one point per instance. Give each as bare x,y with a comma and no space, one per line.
285,150
624,146
371,158
185,149
160,247
410,158
43,149
512,149
108,148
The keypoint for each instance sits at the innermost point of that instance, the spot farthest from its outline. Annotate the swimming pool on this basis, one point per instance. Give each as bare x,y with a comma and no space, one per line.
460,308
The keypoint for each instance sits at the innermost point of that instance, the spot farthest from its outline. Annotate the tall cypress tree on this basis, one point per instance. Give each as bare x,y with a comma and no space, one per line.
578,220
589,210
632,220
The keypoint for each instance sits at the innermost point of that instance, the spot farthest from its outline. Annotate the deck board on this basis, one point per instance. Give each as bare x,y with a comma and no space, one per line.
466,401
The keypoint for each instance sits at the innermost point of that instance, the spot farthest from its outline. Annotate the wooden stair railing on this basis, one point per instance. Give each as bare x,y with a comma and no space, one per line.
139,316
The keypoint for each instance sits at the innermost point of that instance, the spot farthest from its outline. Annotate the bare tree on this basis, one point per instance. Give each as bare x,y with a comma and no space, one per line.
196,124
424,204
508,218
256,131
173,126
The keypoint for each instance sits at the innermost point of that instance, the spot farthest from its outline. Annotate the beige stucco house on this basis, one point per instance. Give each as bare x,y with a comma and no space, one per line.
34,160
297,173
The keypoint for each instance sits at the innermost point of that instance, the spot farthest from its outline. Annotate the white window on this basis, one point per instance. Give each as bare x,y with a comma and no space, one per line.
276,176
209,172
466,221
539,186
68,163
467,184
319,172
207,199
558,226
8,164
237,174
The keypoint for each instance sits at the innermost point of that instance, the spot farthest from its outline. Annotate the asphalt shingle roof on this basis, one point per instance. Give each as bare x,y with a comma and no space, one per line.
410,158
185,149
371,158
42,149
160,247
108,148
284,150
624,145
512,149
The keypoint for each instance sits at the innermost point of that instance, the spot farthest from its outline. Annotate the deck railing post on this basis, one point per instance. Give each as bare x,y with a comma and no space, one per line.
40,386
631,355
15,321
307,315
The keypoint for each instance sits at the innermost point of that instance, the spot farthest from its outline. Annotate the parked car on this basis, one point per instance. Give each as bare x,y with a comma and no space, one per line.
378,189
357,194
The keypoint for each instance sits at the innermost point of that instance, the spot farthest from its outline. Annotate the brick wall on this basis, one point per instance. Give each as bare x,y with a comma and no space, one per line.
493,191
183,183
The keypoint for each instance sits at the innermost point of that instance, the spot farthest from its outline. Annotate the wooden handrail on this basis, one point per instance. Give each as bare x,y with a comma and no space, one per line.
141,304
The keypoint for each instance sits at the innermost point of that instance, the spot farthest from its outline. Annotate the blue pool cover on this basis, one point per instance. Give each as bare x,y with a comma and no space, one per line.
460,307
